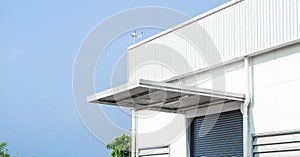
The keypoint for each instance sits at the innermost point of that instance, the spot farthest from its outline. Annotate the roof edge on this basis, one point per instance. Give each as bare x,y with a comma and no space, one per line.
194,19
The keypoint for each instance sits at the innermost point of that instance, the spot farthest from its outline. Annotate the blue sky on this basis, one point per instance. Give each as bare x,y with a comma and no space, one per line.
39,41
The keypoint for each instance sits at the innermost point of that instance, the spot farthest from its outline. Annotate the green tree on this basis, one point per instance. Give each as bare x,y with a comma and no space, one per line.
3,150
120,146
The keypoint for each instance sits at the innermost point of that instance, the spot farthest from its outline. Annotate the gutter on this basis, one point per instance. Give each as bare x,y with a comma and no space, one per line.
245,111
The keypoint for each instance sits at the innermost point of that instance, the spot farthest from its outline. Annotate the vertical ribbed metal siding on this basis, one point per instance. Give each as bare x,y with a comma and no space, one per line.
240,29
225,138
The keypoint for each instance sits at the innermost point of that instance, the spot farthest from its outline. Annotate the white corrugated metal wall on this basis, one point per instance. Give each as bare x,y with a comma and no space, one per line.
242,28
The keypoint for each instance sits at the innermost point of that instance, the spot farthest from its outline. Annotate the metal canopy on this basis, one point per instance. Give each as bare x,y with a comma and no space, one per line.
160,96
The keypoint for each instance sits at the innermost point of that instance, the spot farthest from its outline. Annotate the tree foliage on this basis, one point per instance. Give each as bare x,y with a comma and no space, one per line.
4,150
120,146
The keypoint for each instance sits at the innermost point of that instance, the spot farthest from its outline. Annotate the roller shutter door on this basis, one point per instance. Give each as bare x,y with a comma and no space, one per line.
224,139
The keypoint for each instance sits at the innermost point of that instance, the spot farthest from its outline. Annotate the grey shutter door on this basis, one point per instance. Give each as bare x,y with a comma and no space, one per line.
224,139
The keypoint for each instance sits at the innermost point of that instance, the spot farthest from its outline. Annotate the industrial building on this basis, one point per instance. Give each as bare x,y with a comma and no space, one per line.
225,83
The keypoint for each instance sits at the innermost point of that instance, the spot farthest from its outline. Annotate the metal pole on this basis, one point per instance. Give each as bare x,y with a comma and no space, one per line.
246,130
136,134
134,148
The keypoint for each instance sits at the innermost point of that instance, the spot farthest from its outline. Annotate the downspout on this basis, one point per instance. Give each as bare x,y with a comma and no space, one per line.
134,150
245,111
136,134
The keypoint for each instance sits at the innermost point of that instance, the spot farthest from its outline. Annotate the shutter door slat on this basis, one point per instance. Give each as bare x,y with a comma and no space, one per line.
224,139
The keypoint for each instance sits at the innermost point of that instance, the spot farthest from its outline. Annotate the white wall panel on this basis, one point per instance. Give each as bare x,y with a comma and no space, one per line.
254,21
220,34
298,15
294,19
238,29
276,84
287,64
207,47
226,51
266,26
264,70
260,24
273,22
234,82
247,25
275,108
280,15
264,111
162,129
179,147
